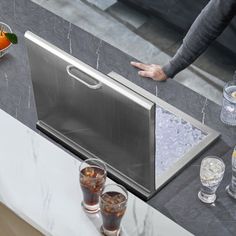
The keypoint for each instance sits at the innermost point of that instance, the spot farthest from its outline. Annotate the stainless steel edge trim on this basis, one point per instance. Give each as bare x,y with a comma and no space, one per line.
211,134
96,86
89,70
160,180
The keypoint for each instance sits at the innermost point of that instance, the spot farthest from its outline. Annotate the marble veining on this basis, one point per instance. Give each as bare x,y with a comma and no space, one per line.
33,148
204,110
156,91
69,38
6,78
48,193
29,94
98,54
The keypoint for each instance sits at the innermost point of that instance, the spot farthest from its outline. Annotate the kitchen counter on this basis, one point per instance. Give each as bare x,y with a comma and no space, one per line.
40,183
178,199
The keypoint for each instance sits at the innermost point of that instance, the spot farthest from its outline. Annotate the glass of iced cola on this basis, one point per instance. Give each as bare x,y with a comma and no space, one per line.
113,202
92,179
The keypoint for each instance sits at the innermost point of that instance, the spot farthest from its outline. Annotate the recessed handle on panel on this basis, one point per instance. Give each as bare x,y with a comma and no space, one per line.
96,85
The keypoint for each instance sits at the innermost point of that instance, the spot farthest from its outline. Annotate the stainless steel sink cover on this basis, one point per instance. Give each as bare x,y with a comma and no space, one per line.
144,140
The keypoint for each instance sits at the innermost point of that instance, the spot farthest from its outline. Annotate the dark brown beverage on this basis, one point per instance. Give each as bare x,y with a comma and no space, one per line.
92,180
113,206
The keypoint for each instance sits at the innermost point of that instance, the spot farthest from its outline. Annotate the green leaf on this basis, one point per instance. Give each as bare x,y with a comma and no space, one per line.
12,38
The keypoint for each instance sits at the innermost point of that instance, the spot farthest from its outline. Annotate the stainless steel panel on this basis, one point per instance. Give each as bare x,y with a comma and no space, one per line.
209,134
102,117
110,118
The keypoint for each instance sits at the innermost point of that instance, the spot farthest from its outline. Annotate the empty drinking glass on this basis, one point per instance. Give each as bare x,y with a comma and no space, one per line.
113,202
92,179
211,173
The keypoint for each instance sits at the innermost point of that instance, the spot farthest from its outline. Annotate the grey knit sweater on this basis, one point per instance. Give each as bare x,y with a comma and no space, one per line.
210,23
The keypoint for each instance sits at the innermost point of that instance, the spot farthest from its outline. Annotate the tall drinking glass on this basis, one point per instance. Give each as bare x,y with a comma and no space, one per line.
113,202
211,173
228,111
231,188
92,179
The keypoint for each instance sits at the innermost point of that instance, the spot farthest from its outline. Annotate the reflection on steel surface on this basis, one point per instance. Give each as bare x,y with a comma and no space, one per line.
113,119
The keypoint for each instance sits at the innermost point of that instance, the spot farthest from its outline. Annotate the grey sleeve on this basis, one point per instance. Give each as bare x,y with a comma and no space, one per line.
210,23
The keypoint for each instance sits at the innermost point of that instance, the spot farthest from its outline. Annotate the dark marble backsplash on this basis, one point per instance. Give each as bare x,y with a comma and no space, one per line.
181,14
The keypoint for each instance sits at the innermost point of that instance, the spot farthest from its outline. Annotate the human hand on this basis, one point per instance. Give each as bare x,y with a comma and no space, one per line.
152,71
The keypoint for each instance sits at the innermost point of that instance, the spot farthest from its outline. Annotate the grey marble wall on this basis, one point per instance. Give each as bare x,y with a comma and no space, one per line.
182,13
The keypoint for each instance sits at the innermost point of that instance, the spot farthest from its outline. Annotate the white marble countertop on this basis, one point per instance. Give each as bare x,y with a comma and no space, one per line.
40,183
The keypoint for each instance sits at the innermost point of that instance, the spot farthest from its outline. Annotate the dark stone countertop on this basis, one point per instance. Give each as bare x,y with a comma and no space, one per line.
177,200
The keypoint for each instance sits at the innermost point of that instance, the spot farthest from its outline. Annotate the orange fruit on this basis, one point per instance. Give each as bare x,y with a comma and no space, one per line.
4,41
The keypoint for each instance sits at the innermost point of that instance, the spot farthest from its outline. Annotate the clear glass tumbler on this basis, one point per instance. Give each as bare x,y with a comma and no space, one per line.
92,180
228,111
231,188
113,202
211,173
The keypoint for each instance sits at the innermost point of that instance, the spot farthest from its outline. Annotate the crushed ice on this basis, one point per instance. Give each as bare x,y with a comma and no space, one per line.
174,138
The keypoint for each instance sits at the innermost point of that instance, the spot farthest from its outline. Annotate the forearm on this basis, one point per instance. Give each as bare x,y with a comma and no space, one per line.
206,28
